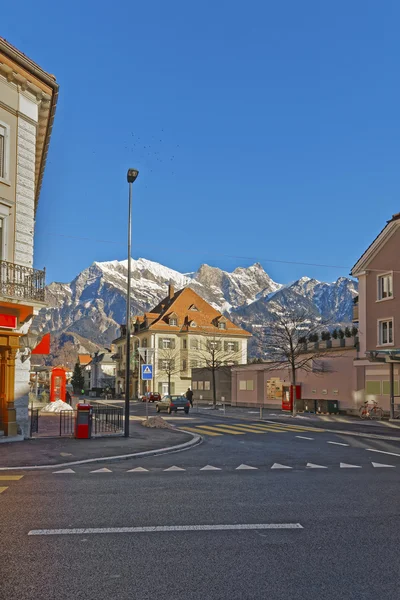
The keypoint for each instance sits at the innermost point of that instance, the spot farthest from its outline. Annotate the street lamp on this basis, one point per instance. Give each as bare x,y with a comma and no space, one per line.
131,177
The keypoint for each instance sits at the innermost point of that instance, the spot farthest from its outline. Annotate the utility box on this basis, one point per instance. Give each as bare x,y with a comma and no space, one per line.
287,396
83,422
333,407
310,406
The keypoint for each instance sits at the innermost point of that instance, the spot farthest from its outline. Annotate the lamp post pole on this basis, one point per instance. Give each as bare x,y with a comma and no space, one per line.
131,176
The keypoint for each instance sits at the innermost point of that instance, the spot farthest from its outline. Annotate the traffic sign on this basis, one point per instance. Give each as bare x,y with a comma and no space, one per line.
147,372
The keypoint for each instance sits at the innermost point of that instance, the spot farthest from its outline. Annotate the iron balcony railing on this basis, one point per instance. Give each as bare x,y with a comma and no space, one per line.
24,283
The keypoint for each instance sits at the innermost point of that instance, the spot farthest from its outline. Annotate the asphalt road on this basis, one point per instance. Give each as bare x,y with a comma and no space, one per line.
342,521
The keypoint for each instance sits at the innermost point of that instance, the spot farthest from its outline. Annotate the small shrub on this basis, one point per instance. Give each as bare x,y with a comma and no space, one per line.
354,331
341,334
335,334
313,337
325,336
347,332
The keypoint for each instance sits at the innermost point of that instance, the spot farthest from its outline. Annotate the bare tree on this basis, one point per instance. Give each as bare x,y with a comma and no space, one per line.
168,364
290,342
216,352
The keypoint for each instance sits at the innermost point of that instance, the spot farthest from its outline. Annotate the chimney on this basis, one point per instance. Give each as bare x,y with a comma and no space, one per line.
171,290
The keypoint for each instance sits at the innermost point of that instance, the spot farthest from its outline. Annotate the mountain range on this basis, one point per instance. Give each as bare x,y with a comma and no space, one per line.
85,314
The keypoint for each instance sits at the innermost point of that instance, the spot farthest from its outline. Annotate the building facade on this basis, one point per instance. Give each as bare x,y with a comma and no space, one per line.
182,332
28,97
377,312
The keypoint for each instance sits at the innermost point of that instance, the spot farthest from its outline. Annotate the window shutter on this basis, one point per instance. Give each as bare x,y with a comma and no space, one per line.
160,388
236,346
172,387
160,343
2,140
173,344
225,346
160,364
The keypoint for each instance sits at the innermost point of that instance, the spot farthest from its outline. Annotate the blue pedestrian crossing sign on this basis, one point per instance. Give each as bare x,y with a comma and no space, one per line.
147,372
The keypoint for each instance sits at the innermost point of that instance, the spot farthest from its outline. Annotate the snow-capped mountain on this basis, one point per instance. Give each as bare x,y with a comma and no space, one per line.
93,305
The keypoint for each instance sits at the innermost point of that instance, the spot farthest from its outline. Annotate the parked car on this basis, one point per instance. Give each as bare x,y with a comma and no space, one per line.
173,404
151,397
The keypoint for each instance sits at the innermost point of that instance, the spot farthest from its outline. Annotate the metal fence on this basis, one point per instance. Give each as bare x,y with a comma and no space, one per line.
107,418
34,420
67,422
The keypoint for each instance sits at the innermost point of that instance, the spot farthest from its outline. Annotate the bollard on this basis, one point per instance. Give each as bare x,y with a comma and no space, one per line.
223,403
261,412
147,408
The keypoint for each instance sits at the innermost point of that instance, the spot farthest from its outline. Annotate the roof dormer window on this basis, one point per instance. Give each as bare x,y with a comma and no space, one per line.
173,321
193,324
193,307
221,325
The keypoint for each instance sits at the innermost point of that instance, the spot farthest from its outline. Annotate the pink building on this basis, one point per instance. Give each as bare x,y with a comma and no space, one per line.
378,315
256,385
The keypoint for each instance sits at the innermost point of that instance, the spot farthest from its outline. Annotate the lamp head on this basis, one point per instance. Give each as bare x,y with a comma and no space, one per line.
132,175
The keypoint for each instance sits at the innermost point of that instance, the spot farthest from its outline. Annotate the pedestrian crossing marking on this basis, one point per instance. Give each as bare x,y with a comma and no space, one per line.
245,428
221,429
10,477
200,430
3,489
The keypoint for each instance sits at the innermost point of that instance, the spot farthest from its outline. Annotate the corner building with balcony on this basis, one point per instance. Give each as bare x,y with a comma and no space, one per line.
28,97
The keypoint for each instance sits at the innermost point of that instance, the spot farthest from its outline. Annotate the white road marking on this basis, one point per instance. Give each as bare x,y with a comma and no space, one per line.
381,451
346,466
65,471
244,467
174,468
210,468
278,466
165,528
337,443
138,470
380,465
302,437
104,470
312,466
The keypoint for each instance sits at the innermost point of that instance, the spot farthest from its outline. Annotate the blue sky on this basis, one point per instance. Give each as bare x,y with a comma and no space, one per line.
262,130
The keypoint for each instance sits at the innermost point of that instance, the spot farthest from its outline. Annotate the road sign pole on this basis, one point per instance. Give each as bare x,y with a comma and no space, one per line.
128,317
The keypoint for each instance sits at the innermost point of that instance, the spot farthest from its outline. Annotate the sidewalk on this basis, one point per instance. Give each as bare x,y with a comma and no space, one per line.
62,450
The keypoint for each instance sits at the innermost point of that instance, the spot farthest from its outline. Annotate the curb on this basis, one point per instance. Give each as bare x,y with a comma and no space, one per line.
374,436
195,441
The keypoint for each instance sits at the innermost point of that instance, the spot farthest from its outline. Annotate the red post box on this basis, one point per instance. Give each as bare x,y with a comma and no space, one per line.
287,396
83,422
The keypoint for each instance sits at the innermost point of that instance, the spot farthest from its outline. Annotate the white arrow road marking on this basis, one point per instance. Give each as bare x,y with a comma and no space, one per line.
65,471
380,465
162,528
301,437
346,466
174,468
337,443
312,466
104,470
138,470
243,467
278,466
210,468
381,451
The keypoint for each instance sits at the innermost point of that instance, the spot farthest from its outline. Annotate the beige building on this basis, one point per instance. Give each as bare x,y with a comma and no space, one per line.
377,312
28,97
182,332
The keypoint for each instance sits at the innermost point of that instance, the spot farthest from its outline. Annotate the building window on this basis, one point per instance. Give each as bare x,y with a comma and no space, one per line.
194,385
194,344
246,385
2,239
385,286
193,307
166,343
166,365
385,332
173,322
200,385
221,325
193,324
184,365
207,385
4,151
184,344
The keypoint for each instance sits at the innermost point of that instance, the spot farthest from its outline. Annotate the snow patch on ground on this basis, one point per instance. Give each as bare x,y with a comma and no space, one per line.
56,407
